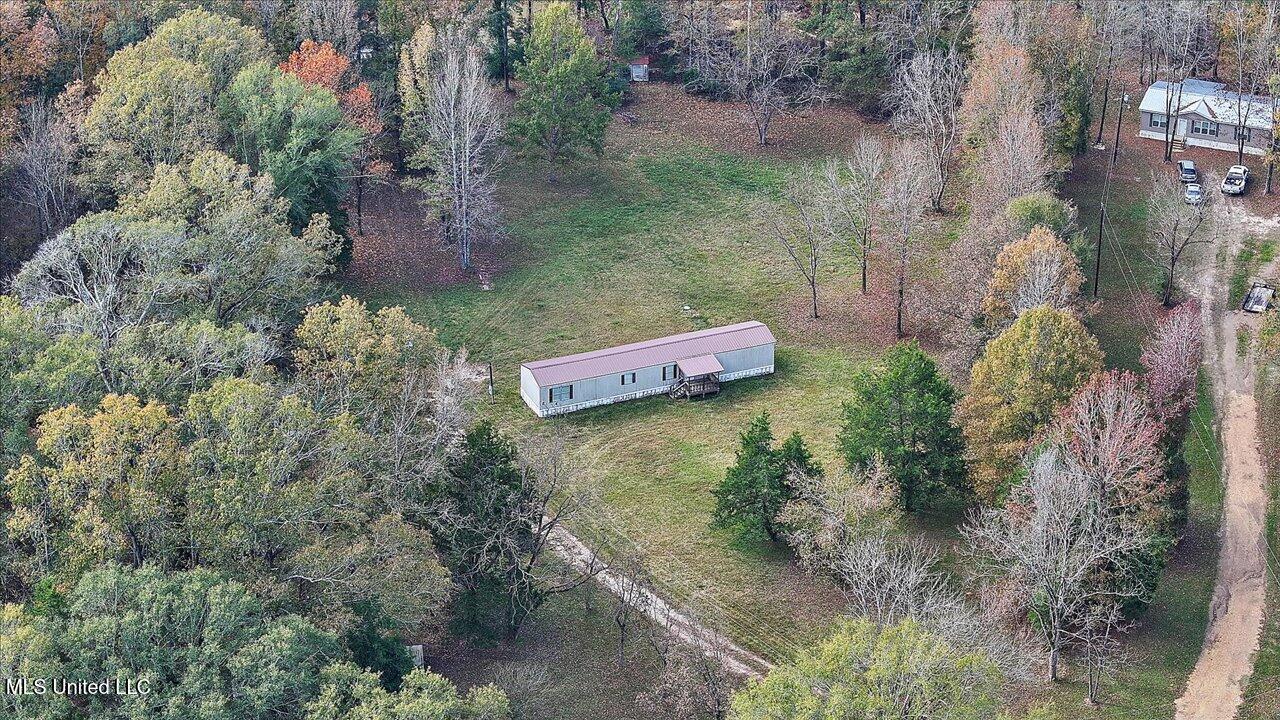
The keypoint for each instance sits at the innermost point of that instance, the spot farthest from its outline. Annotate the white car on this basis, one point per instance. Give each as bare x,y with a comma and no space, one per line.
1234,182
1193,194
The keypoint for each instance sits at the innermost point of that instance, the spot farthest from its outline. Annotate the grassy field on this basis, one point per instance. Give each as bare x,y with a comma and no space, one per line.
644,247
668,237
574,641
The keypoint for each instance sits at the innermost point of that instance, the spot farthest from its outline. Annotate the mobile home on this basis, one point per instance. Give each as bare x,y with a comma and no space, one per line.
684,365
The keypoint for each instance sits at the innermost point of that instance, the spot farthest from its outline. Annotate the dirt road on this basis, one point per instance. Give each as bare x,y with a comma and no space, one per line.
737,659
1215,688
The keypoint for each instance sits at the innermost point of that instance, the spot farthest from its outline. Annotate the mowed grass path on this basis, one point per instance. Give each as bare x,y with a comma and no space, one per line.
615,253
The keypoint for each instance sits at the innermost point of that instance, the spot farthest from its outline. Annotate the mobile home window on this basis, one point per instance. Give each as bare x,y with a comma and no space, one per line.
1159,121
1204,127
628,378
669,372
1242,133
560,393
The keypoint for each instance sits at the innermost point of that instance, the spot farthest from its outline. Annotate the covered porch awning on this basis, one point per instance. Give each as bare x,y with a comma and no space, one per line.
699,365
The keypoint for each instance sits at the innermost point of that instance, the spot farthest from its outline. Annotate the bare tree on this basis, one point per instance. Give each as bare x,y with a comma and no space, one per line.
531,688
695,32
1012,162
552,491
78,23
906,29
633,594
1109,432
799,230
844,525
1053,538
1097,634
770,68
829,509
853,191
693,684
1180,46
45,158
462,131
900,215
268,12
925,97
1174,229
1250,29
101,277
333,21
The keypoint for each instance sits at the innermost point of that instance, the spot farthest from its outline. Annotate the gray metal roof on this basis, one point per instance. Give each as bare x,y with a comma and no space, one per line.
660,351
1210,99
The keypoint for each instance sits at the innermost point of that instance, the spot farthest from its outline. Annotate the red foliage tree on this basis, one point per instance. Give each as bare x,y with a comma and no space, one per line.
1112,434
1171,357
27,49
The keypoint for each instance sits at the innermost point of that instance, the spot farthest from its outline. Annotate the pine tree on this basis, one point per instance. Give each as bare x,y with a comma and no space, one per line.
756,487
902,411
566,102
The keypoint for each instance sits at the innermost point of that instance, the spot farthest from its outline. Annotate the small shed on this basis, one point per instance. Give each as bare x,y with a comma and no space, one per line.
691,364
639,67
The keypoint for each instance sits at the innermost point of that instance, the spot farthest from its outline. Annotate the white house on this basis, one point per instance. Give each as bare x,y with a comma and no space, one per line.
684,365
1207,114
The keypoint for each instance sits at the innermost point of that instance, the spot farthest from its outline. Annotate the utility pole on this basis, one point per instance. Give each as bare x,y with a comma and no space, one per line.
1102,202
1115,149
490,382
1097,253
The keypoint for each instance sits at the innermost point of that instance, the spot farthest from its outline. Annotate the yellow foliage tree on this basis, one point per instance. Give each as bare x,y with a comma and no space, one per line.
1017,386
1037,270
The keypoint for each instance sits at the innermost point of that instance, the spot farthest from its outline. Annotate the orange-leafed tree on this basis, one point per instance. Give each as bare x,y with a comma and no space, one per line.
27,48
321,65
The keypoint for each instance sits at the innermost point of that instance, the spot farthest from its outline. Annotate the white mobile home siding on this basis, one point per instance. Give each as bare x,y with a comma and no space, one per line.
607,389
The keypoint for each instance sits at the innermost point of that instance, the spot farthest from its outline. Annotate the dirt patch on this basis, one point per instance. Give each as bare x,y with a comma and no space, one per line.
663,115
847,316
401,246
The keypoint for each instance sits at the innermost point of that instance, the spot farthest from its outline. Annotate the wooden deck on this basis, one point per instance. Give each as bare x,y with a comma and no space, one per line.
700,386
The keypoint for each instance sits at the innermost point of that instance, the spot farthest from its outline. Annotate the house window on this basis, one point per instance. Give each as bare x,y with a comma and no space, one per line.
1204,127
560,393
1243,133
669,372
1159,121
628,378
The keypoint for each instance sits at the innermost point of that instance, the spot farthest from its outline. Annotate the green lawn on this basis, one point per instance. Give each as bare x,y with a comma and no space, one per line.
574,640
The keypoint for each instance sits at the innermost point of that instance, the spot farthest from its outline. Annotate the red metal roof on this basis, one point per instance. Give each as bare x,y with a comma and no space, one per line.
700,365
660,351
642,60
